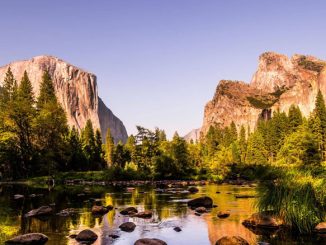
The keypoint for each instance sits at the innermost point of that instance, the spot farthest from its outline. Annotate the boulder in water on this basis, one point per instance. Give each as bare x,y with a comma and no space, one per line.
28,239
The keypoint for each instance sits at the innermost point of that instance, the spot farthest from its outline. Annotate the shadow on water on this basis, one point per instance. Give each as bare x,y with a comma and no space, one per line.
169,210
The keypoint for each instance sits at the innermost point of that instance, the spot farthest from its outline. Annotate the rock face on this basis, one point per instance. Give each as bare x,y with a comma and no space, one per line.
76,90
278,83
193,135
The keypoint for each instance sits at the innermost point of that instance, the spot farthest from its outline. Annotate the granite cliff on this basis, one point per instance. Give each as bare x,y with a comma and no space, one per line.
278,83
75,89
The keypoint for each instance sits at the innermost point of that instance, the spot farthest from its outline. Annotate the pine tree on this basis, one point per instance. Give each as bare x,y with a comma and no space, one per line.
109,148
320,112
295,117
51,128
242,144
233,132
47,92
76,158
88,140
98,152
9,89
256,152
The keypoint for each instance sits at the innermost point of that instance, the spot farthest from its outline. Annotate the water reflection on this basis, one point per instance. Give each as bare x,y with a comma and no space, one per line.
169,210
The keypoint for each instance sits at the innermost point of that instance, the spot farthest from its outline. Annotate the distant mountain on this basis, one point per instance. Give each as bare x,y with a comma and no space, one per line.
278,83
192,135
76,90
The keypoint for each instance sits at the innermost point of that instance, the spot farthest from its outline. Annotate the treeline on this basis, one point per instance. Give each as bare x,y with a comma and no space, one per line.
34,135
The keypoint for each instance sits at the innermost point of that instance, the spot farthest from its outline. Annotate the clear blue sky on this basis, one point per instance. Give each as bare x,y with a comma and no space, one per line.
158,61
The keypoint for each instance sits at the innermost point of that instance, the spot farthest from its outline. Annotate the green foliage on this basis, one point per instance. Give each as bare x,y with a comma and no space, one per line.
295,196
300,148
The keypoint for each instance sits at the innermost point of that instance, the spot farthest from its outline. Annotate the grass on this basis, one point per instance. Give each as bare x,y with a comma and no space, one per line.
298,197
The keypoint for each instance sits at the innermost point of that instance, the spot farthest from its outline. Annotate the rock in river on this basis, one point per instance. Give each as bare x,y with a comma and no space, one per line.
223,214
30,239
264,220
41,211
150,241
128,211
147,214
232,240
193,189
86,237
99,210
321,228
201,210
128,226
206,202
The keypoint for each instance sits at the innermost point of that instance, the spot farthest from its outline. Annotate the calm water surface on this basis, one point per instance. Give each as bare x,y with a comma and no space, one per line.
170,210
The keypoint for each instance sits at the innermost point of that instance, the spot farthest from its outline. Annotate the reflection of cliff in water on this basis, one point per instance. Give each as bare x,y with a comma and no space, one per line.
240,209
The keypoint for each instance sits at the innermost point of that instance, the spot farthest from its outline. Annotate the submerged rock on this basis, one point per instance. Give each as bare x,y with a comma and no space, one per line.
41,211
145,215
86,237
113,236
231,240
150,241
223,214
206,202
201,210
264,220
193,189
67,212
128,226
99,210
129,211
321,228
30,239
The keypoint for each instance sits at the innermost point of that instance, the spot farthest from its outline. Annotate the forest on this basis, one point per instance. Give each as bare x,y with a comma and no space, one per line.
287,152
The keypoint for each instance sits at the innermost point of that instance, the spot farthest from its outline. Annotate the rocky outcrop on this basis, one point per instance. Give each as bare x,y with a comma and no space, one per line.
76,90
193,135
278,83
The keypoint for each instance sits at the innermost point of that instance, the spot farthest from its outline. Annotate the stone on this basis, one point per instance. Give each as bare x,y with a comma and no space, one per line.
264,220
86,236
67,212
201,210
129,211
99,210
41,211
223,214
205,201
29,239
128,226
244,196
113,236
231,240
150,241
193,189
321,228
145,215
76,90
177,229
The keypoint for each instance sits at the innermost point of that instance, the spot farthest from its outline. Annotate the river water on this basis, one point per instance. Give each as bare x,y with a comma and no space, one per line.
169,208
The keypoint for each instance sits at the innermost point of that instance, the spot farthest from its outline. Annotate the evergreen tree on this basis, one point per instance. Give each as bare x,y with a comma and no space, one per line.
256,152
76,158
51,129
88,141
295,117
99,155
47,92
109,148
242,144
9,89
320,112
